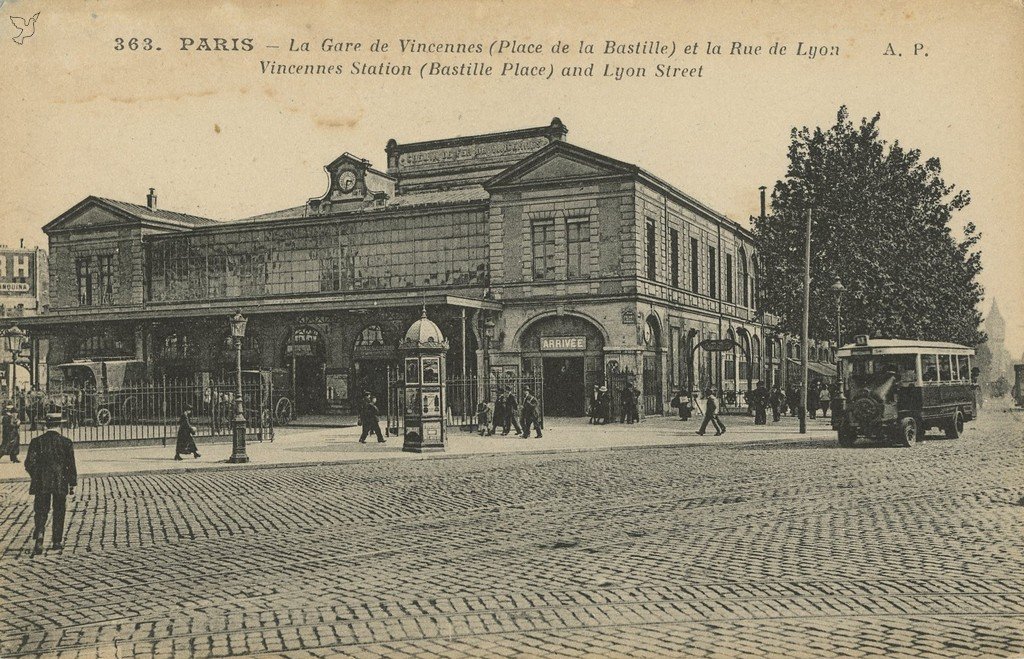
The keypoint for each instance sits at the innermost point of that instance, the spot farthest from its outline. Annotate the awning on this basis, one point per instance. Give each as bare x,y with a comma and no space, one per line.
824,370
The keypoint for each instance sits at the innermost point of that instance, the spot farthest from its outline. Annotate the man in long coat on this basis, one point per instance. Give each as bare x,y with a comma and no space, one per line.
531,413
51,465
511,409
11,437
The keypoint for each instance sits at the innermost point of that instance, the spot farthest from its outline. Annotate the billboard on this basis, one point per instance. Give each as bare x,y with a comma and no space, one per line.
17,272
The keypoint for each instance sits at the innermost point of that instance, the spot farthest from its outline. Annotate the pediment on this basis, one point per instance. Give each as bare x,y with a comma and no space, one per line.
89,214
561,161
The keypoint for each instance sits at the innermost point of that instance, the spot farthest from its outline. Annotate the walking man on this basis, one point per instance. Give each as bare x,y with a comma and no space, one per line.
371,421
51,466
776,400
511,408
531,408
186,441
11,443
595,403
759,401
711,414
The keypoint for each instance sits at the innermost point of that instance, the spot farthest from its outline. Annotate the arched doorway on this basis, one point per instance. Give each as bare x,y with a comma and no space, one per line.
372,356
568,353
306,351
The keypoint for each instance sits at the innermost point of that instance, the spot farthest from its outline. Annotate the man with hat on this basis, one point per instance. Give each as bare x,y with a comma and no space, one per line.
370,419
530,413
51,465
508,409
11,442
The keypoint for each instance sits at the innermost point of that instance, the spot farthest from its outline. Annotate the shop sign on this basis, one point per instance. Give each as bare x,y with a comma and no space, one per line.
313,320
14,287
718,345
563,343
300,350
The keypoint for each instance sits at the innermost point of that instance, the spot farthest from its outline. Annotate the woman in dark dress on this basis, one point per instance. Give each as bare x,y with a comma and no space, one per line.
186,435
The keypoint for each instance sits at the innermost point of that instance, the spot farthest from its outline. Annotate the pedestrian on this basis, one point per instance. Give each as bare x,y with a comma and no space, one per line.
186,435
483,418
793,398
51,466
630,408
776,400
604,405
371,420
759,401
511,412
35,409
812,400
498,418
711,414
531,413
681,401
11,434
824,399
595,398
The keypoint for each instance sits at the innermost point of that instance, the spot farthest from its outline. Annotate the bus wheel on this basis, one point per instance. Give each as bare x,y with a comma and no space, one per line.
907,432
955,427
103,416
847,435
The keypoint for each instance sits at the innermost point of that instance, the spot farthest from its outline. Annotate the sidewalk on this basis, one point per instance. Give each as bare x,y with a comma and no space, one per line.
295,446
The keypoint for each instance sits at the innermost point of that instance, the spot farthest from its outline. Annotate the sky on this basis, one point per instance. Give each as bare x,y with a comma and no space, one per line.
218,138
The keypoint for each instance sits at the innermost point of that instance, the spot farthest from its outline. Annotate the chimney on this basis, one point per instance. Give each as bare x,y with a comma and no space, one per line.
151,200
22,244
762,189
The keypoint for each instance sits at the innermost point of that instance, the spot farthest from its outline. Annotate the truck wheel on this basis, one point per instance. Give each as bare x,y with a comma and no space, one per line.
847,435
955,427
907,432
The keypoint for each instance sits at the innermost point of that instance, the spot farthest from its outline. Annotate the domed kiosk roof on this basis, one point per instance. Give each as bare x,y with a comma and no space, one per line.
424,333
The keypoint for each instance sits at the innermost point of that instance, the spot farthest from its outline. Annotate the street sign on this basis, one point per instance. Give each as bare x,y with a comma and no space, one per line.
718,345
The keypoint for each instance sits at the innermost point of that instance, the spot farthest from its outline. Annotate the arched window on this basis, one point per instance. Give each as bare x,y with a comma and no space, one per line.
743,352
371,336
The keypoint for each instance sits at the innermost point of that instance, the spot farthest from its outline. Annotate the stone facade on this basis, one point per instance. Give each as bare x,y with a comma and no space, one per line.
549,258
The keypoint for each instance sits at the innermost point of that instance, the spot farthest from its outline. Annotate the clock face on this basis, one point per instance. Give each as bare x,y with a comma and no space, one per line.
648,333
347,181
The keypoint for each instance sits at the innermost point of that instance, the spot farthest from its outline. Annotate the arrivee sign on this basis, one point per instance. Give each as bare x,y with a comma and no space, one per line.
563,343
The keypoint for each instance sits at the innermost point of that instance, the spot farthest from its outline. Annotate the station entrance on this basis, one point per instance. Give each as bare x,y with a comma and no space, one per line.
567,352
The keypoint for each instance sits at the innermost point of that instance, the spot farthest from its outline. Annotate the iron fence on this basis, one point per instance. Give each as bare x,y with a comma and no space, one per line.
148,411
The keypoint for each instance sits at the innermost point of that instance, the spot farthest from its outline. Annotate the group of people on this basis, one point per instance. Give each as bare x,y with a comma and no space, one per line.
506,405
601,405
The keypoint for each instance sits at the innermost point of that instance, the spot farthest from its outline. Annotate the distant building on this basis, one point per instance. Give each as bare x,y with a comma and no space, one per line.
24,281
993,358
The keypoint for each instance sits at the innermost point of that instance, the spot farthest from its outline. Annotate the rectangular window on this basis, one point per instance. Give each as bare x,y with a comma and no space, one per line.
105,289
651,260
945,372
674,237
929,368
84,286
577,244
965,372
694,265
728,277
543,249
712,272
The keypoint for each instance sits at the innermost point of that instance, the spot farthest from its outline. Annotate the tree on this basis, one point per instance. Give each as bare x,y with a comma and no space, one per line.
882,224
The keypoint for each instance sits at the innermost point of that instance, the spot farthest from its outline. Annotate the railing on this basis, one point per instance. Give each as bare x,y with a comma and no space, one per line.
151,411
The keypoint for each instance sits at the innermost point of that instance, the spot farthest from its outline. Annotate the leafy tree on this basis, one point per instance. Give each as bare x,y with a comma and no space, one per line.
881,222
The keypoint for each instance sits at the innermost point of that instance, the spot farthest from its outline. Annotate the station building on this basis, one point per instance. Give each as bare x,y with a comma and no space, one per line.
533,255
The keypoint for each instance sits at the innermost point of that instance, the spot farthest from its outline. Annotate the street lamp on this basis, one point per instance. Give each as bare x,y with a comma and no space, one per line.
14,343
238,455
839,289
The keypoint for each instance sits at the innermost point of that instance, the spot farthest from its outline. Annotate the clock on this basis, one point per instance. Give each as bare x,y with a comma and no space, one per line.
648,333
347,181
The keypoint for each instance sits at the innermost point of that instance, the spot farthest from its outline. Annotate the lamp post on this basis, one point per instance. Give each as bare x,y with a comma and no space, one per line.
238,455
14,343
839,289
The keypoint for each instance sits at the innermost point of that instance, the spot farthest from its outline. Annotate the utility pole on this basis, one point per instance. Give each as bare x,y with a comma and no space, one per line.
806,327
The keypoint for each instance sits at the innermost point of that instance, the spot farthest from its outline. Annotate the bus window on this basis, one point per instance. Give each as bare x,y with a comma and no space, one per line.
929,368
945,373
965,370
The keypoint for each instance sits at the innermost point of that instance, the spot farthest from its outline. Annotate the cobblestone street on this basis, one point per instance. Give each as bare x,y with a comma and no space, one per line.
793,547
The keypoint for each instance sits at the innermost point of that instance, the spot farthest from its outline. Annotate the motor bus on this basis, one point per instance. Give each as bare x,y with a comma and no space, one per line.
898,389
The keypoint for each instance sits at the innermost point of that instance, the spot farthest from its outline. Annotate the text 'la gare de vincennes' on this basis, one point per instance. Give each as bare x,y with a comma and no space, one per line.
528,68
